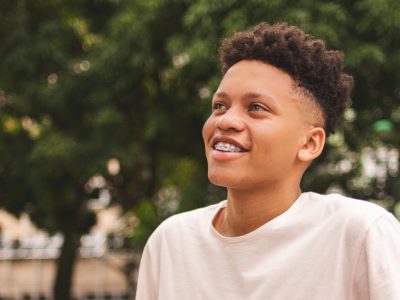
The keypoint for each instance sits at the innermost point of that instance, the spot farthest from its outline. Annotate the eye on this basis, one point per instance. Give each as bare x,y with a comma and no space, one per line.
257,107
218,106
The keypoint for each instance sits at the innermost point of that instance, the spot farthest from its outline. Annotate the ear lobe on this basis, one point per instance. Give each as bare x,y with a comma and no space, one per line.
313,146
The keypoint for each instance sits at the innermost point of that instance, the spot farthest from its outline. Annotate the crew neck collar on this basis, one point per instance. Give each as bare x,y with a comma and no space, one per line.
270,225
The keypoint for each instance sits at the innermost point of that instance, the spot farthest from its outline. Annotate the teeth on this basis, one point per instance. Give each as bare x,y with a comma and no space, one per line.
226,147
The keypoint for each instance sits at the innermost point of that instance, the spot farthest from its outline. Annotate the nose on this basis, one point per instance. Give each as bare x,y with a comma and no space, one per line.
230,120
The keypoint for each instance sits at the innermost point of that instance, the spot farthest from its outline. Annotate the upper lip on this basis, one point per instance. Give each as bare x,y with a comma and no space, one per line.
228,140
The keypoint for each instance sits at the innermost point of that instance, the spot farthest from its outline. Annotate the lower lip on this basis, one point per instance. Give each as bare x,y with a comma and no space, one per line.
219,155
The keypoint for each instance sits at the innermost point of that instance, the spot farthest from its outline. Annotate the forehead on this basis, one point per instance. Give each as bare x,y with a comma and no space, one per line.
250,76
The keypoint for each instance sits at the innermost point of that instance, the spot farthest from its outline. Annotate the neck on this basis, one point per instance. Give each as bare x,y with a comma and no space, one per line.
251,208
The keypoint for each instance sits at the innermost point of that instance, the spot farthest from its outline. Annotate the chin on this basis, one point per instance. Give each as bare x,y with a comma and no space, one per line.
224,180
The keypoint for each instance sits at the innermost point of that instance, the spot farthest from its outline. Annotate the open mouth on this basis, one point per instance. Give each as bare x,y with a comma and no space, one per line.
226,147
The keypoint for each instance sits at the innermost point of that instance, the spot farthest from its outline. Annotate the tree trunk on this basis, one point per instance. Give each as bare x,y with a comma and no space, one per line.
128,269
65,265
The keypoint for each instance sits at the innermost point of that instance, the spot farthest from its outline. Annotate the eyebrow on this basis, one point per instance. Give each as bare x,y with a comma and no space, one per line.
248,96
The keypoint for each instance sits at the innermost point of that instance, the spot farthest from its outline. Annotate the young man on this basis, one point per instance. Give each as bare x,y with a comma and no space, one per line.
281,95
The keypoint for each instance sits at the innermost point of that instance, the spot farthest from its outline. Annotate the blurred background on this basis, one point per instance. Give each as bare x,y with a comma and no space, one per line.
101,108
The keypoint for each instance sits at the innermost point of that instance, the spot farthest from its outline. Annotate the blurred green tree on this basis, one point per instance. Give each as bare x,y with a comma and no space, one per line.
85,85
48,151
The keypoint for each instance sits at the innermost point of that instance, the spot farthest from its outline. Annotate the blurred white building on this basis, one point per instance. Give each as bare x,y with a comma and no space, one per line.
28,256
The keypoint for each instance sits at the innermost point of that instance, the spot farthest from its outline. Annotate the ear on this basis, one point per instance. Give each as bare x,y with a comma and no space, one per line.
313,145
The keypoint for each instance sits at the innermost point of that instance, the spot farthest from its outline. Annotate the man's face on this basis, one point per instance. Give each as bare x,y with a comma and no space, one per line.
256,128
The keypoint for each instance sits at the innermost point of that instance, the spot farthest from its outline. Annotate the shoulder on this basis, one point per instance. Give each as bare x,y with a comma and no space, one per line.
340,206
191,218
185,224
343,214
356,221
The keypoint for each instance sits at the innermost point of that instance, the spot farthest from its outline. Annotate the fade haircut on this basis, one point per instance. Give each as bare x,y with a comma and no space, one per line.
317,71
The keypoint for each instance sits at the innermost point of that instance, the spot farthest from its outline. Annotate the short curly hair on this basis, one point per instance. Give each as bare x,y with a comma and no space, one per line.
314,68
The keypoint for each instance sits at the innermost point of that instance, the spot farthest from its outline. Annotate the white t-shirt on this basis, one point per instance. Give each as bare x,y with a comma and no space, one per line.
322,247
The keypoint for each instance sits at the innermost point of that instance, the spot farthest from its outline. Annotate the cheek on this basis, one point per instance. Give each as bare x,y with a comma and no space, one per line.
207,129
277,142
287,144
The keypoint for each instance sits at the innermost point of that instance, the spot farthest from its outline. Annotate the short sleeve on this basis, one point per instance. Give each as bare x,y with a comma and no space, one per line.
378,270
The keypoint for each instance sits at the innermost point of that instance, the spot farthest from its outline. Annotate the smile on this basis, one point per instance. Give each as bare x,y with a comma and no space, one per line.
226,147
